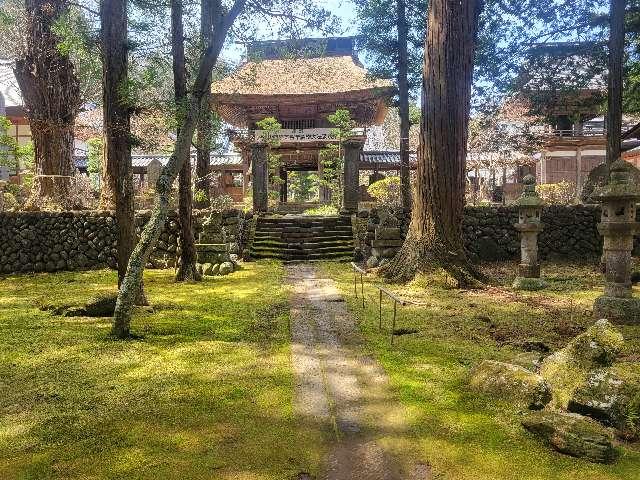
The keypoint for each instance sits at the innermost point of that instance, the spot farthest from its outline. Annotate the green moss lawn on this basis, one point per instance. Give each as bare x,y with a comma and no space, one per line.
461,434
206,393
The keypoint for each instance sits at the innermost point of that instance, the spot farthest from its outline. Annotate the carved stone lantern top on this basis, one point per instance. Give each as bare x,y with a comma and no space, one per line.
529,197
529,207
621,186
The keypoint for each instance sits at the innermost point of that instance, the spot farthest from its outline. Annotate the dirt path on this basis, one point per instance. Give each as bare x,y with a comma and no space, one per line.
341,389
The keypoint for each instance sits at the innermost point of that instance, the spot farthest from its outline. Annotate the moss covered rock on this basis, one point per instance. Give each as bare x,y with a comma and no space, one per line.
568,368
573,435
226,268
207,268
611,396
511,382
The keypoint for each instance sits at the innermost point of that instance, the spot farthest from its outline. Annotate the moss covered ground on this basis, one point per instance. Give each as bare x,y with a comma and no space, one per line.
461,434
205,393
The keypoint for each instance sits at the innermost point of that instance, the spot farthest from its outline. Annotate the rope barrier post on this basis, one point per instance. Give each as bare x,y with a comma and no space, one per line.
380,326
362,288
395,311
355,282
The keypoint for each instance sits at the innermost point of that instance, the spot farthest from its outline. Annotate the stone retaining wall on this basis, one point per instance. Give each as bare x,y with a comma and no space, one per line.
54,241
570,232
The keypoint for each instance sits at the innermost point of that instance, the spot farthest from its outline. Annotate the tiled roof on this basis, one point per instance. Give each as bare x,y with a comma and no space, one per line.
298,76
8,85
385,157
145,160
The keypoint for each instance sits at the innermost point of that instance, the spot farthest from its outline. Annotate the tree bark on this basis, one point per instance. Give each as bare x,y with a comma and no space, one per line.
614,100
187,268
403,104
133,279
435,234
117,132
203,138
51,94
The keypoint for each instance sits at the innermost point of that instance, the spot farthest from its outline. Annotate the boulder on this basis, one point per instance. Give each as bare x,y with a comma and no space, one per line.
226,268
611,397
372,262
568,368
512,382
215,270
207,268
573,435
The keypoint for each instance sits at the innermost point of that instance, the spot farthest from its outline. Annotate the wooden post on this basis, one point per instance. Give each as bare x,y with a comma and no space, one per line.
578,172
260,176
283,186
351,177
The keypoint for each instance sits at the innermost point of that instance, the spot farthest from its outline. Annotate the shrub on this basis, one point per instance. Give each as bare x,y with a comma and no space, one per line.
10,202
322,211
386,192
561,193
221,203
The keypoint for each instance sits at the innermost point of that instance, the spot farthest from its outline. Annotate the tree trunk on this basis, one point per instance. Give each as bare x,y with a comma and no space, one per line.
203,138
51,95
117,132
403,104
133,279
435,234
187,268
614,101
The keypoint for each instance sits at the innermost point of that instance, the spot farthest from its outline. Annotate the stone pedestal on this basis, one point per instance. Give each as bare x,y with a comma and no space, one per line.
529,208
618,227
351,175
260,176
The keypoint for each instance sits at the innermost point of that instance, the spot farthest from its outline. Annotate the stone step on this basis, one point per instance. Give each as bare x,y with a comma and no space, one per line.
300,236
306,245
339,256
303,251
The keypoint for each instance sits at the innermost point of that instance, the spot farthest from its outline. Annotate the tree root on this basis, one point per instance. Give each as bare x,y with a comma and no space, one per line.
188,274
421,256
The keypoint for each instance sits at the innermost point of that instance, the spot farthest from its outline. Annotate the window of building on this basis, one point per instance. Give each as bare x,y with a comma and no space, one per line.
298,124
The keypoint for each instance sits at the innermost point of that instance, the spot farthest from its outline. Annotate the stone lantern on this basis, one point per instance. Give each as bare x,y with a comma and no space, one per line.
529,209
618,226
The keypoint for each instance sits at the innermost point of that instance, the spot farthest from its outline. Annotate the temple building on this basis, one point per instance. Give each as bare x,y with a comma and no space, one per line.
300,83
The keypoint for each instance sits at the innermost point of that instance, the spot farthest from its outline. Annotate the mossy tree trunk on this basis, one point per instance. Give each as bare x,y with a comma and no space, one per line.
187,268
133,279
117,124
203,137
51,93
614,96
435,234
403,104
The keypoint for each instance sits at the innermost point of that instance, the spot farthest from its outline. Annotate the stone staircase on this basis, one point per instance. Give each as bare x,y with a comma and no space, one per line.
300,238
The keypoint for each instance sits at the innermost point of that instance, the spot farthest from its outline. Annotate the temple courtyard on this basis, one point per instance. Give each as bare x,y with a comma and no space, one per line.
279,372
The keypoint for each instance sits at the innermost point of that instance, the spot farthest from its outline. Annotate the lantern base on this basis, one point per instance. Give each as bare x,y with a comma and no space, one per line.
530,284
621,311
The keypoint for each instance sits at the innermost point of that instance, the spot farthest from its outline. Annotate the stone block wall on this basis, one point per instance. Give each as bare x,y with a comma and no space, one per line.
56,241
570,232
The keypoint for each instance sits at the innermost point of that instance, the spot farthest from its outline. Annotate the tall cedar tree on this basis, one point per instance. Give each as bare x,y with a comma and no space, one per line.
51,93
187,268
614,97
222,21
435,234
203,138
396,46
117,131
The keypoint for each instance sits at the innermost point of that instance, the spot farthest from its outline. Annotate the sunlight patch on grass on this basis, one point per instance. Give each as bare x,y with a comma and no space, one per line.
206,392
463,435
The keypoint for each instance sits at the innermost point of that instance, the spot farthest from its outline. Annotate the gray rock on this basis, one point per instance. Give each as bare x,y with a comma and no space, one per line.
573,435
511,382
226,268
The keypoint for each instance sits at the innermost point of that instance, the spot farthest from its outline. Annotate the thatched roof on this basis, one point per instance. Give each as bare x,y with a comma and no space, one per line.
299,76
